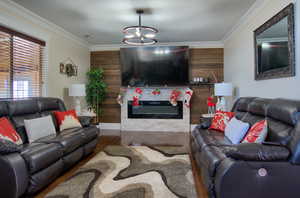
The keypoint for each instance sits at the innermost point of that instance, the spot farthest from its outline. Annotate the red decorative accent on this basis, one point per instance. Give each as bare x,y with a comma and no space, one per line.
8,132
138,91
187,97
174,96
156,92
60,115
210,102
136,96
257,133
220,120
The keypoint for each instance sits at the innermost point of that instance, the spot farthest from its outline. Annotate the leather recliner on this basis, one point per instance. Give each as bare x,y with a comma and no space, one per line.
39,163
271,169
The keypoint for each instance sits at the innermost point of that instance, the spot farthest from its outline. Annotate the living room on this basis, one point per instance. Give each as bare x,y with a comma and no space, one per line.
134,99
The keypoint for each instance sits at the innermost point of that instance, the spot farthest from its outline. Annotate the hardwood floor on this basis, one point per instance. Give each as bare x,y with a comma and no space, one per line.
116,140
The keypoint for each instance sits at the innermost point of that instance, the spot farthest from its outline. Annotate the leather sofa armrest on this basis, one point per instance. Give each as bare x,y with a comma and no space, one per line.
14,175
85,121
205,123
258,152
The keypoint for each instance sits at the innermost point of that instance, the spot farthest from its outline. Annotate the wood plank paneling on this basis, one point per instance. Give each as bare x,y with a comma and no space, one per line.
203,62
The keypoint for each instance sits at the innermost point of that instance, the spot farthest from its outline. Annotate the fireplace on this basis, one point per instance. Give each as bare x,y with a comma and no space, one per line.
155,113
155,110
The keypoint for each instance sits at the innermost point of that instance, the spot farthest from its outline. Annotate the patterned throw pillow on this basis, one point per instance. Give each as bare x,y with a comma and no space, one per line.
8,132
257,133
7,146
220,120
67,119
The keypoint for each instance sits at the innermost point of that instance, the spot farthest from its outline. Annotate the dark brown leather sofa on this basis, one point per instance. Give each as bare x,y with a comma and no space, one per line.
37,164
271,169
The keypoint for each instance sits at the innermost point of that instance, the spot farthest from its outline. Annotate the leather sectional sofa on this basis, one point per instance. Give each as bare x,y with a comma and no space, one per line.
37,164
271,169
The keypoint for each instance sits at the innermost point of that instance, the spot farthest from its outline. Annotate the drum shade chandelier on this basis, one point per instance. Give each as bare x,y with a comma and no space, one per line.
139,34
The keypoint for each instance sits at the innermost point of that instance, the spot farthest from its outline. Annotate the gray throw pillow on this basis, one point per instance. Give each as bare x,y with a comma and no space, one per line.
39,127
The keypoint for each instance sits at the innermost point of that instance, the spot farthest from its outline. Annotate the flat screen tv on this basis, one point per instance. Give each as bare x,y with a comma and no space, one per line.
155,66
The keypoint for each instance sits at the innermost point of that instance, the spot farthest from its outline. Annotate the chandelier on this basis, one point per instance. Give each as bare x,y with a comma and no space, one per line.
139,34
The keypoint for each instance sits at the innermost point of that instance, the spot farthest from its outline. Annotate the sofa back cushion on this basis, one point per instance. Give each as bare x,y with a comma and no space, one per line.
256,111
240,107
48,106
282,116
19,110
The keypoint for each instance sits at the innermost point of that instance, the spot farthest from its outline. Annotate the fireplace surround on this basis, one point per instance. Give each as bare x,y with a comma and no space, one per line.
179,123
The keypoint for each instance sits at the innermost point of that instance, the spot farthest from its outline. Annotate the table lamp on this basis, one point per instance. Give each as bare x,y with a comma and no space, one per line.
221,90
77,91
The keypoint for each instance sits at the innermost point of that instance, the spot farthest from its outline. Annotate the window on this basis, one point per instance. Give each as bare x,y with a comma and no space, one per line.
21,65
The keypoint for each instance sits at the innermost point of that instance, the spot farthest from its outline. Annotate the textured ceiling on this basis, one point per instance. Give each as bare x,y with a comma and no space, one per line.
176,20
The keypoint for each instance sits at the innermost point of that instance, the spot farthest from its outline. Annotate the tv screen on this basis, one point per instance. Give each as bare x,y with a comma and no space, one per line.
155,66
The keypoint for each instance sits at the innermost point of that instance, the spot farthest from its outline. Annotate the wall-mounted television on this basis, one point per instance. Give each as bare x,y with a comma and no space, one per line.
155,66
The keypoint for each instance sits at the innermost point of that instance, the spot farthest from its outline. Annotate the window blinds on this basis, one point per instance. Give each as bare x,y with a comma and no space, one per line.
21,65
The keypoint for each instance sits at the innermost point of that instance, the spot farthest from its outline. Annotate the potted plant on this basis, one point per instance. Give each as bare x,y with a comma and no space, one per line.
95,90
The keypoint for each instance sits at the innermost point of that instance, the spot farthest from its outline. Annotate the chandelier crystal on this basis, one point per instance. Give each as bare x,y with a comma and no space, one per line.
139,34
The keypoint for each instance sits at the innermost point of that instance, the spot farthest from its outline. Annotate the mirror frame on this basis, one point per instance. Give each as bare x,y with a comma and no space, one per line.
281,72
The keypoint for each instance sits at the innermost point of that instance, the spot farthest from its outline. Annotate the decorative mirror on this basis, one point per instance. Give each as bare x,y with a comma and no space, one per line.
275,46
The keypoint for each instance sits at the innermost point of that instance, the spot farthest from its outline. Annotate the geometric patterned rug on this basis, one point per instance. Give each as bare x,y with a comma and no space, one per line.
132,172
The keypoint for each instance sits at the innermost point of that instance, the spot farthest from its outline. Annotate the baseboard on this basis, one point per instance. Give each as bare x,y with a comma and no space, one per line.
110,126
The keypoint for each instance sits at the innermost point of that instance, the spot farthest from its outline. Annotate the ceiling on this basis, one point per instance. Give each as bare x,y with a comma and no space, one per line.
176,20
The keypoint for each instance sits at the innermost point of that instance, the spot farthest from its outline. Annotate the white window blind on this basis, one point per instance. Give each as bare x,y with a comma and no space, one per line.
21,65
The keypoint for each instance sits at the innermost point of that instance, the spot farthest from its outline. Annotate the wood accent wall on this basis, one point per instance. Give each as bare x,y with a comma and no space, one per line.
202,62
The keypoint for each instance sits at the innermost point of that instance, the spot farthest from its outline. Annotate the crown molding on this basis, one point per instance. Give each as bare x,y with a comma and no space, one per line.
200,44
259,4
38,20
256,7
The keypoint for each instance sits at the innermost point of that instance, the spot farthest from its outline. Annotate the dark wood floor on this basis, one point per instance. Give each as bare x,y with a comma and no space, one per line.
115,140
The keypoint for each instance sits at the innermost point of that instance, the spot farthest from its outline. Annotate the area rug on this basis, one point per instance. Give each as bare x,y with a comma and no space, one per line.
132,172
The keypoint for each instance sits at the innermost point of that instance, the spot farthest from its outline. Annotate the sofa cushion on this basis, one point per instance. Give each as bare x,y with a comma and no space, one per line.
18,122
7,147
39,127
90,133
67,119
54,121
3,108
8,132
241,107
287,111
68,140
259,152
257,133
236,130
39,156
206,137
220,120
51,104
21,107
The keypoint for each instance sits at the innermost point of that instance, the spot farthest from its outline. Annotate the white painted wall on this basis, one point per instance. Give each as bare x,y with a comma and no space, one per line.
239,56
59,45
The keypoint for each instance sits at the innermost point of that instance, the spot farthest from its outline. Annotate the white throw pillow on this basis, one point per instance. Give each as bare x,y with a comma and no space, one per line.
39,127
236,130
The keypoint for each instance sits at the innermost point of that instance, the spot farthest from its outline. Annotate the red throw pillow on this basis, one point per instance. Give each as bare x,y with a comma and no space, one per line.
67,119
257,133
8,132
220,120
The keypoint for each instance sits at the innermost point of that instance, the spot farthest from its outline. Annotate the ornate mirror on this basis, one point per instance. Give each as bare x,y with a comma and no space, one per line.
275,46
